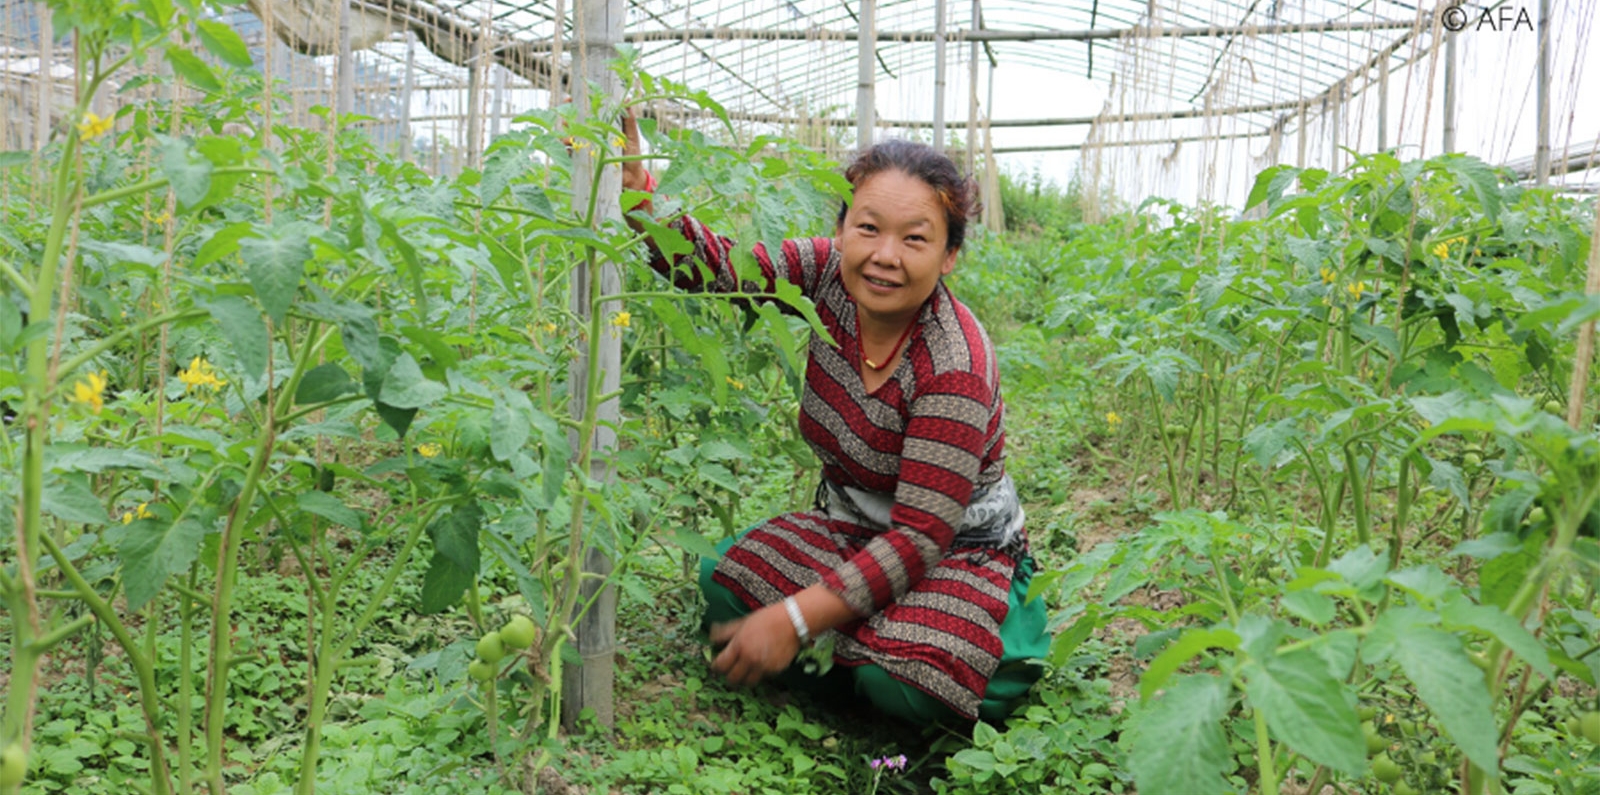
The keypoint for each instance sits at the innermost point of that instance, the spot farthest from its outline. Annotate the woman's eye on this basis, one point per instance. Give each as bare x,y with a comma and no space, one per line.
867,228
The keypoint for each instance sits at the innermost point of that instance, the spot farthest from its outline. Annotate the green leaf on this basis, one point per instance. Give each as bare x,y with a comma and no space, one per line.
1476,176
221,243
1179,745
455,536
1425,583
1307,709
1267,443
153,550
224,43
510,423
243,328
323,383
70,500
1190,644
693,542
405,387
331,508
1309,605
15,158
187,171
557,452
442,586
276,259
501,168
1498,624
1446,679
191,68
718,474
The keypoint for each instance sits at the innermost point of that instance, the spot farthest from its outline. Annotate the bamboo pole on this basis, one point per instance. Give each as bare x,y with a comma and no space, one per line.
1541,168
1450,89
591,685
407,85
1103,34
938,74
1584,358
972,87
866,101
1383,106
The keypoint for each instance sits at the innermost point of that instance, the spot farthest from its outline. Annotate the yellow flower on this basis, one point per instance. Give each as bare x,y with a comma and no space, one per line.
549,328
1441,250
158,220
1328,276
1113,419
622,319
735,383
93,126
90,391
200,373
142,512
1356,289
429,449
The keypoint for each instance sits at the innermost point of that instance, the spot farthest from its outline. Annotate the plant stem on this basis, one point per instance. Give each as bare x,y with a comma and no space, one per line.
1264,760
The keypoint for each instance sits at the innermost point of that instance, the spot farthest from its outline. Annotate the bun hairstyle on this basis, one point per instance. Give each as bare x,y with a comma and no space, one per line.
957,194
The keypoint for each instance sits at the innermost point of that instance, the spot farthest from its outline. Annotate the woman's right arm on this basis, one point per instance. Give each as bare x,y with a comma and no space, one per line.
800,261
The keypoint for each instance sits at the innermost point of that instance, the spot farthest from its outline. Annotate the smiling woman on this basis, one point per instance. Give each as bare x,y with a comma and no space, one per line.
914,562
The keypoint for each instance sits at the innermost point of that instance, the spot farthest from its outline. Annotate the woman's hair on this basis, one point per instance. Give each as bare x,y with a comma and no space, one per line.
958,195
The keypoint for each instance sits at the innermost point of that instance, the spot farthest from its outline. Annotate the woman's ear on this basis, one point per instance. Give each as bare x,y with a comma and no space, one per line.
949,262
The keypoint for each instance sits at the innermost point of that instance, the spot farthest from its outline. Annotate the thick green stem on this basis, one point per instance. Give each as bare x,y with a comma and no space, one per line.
149,701
1358,496
1264,760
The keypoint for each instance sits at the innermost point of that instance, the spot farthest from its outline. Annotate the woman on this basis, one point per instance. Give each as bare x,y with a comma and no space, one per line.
914,559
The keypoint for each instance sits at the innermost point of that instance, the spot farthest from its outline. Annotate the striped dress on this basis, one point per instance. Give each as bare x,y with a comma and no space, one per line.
930,436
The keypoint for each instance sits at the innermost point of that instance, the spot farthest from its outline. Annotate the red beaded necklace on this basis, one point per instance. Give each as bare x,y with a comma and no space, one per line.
861,349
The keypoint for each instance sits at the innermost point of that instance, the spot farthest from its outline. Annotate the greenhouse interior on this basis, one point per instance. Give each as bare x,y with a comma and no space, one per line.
409,396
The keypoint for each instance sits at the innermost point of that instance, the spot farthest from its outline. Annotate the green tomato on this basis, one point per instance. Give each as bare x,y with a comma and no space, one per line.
481,671
1408,728
1367,714
1428,758
1536,515
1375,741
1384,769
13,765
491,649
1589,726
519,633
1402,788
1176,431
1553,407
1471,460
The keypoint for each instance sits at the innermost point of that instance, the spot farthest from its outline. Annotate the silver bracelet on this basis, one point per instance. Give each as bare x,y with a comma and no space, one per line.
798,619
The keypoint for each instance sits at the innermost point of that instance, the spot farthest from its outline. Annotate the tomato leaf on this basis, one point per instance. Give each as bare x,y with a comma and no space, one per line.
1179,745
1308,709
153,550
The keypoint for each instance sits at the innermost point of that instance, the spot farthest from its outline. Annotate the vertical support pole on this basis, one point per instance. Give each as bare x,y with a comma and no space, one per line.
866,71
44,80
972,87
1541,156
1450,89
498,108
558,29
1335,99
406,86
1300,140
591,685
475,73
346,102
938,74
1383,105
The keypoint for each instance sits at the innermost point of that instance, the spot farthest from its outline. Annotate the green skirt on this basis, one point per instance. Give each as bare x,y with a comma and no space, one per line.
1022,635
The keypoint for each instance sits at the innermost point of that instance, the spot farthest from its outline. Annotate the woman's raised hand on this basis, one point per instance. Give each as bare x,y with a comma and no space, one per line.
634,175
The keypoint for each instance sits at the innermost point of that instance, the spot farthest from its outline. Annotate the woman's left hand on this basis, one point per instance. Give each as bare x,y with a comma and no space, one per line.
757,646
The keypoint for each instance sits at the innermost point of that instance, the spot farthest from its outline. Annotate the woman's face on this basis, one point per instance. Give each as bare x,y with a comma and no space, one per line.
892,246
